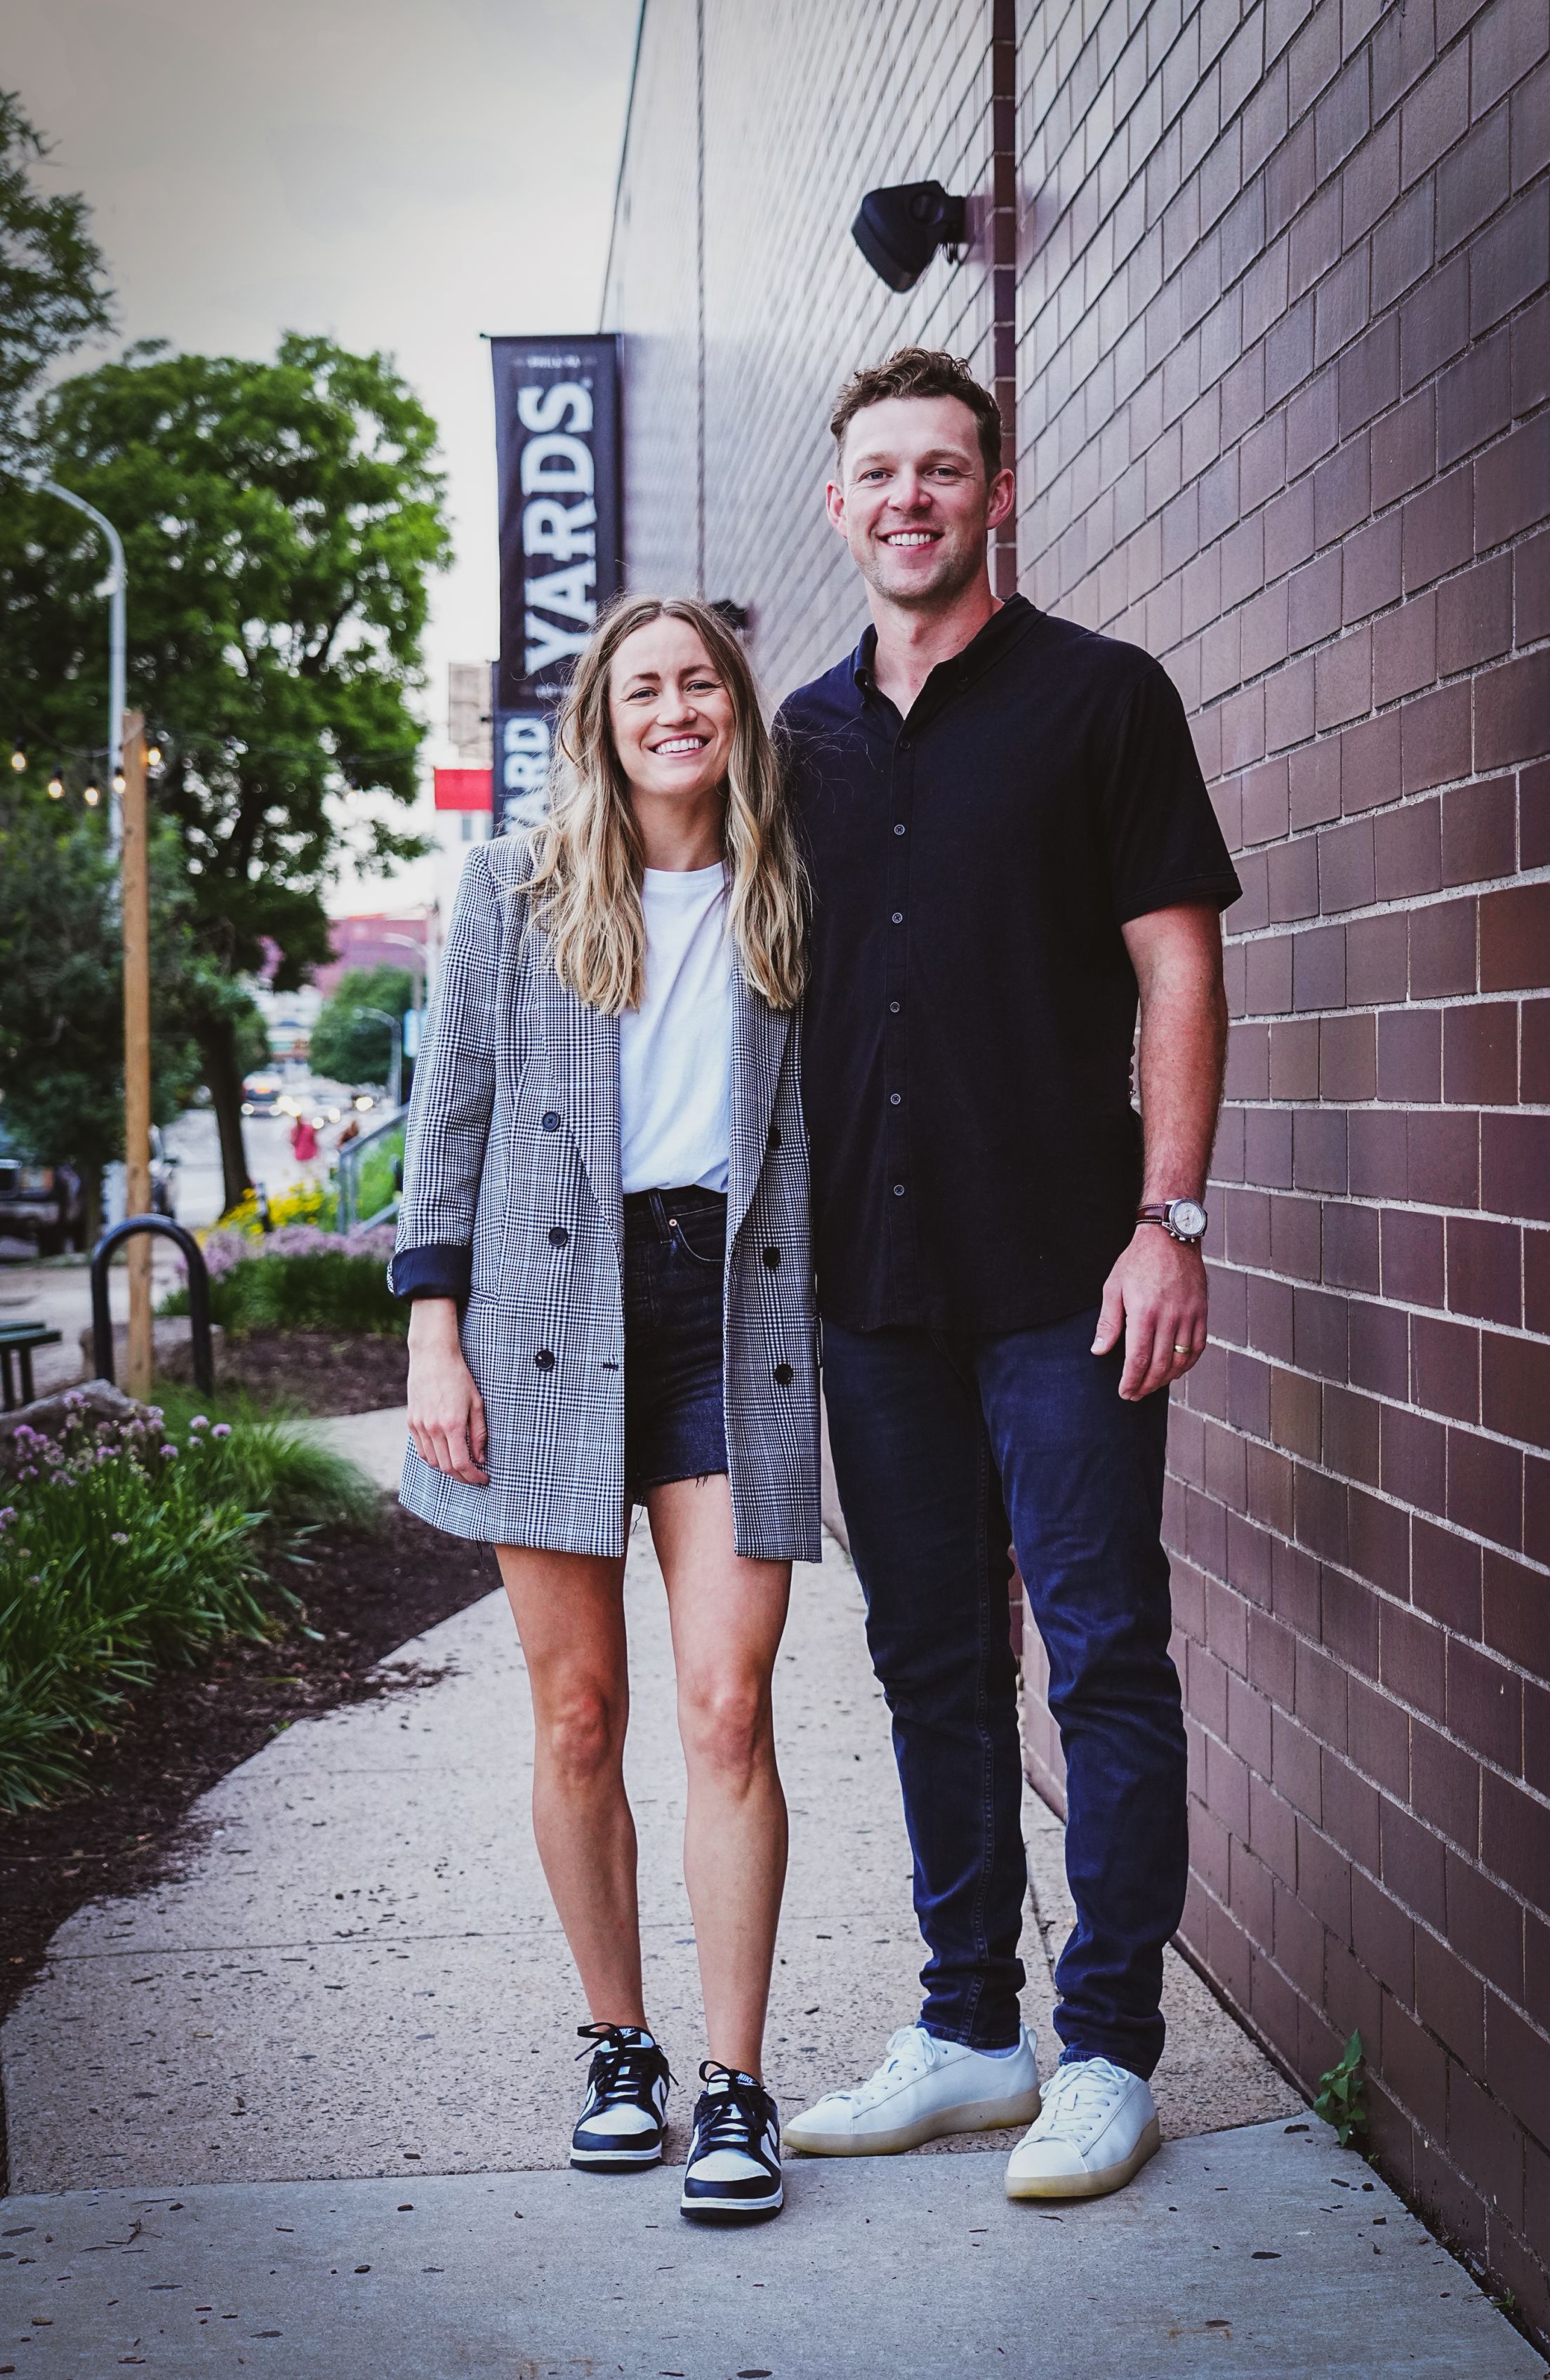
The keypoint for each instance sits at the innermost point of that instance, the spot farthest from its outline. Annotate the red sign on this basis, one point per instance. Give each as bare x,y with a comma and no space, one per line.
463,789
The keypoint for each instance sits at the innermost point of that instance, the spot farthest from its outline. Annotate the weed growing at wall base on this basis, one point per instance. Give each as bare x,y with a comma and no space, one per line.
1339,2099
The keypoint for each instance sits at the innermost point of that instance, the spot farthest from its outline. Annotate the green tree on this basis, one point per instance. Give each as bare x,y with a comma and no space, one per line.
53,284
280,521
61,986
349,1045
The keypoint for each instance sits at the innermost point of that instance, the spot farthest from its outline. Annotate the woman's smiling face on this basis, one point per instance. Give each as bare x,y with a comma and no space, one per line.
671,712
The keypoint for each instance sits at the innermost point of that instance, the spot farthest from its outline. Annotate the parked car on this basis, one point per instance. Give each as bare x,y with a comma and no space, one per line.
164,1178
45,1203
260,1094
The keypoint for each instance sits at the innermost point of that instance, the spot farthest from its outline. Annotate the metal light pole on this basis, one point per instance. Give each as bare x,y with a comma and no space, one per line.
117,590
396,1063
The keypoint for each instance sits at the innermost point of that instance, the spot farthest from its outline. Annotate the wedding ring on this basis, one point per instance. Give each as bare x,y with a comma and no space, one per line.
1179,1350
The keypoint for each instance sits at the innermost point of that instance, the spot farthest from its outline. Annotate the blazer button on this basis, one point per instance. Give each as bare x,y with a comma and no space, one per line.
545,1359
551,1122
783,1373
772,1258
559,1237
775,1136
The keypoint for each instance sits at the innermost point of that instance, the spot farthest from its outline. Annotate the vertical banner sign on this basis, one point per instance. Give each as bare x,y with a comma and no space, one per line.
557,456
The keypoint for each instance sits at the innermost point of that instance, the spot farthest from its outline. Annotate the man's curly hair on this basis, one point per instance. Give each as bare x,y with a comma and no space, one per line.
922,372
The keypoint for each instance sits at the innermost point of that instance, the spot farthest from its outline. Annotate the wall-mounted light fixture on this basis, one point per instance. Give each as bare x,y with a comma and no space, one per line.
899,230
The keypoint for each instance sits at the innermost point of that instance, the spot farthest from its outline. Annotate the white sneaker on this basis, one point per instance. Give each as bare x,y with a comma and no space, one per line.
923,2088
1097,2129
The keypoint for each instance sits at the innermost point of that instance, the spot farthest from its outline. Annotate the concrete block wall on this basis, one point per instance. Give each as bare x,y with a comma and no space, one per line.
1284,418
1284,361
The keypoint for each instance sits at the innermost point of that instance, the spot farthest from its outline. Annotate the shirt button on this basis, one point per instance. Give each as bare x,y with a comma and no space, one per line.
784,1373
898,1193
550,1121
559,1237
898,829
898,920
545,1359
894,1098
772,1258
892,1008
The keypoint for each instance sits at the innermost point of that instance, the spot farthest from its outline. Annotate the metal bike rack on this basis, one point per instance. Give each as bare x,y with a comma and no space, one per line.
199,1294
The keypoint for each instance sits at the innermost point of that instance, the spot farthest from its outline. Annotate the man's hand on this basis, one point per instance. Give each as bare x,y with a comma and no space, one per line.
446,1412
1158,1296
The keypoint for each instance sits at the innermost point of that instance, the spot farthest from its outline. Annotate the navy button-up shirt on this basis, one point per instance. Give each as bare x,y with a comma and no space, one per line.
972,1010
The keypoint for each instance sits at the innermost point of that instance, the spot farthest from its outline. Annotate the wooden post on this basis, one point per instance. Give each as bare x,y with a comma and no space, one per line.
136,882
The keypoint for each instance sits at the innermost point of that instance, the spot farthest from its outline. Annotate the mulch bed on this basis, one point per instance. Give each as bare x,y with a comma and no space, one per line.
365,1595
315,1371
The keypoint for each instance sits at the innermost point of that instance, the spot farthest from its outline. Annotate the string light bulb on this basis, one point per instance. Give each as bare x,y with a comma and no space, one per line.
152,756
56,788
19,759
90,795
118,781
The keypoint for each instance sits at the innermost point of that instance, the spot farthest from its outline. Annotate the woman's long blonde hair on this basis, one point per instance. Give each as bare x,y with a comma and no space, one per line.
587,853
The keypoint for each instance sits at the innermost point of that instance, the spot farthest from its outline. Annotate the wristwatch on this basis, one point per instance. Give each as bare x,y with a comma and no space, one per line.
1182,1219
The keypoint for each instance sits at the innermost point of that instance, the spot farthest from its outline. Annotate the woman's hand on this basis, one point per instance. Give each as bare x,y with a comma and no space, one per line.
446,1412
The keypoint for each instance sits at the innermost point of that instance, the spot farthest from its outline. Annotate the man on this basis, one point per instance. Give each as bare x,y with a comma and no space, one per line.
1011,843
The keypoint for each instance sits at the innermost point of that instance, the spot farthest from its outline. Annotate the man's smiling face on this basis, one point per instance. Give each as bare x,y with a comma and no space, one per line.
912,500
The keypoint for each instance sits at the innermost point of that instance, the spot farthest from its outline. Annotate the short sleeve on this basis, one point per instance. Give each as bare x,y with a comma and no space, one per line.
1163,842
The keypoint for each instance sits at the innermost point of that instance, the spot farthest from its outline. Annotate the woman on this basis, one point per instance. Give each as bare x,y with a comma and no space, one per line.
604,1232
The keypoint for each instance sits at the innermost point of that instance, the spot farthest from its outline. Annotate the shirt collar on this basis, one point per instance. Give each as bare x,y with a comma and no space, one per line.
979,648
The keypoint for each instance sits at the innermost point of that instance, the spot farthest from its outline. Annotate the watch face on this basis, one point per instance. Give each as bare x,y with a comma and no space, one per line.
1187,1217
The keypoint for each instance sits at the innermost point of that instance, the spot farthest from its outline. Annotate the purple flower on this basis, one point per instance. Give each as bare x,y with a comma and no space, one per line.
168,1452
7,1516
222,1429
200,1421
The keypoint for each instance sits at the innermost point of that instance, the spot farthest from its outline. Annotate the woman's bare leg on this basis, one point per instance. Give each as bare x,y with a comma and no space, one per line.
728,1616
569,1614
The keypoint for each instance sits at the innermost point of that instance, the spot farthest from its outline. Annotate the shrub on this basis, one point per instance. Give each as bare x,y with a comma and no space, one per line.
299,1279
125,1546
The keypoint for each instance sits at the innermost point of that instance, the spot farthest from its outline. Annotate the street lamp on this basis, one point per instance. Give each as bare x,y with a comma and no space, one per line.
396,1063
118,585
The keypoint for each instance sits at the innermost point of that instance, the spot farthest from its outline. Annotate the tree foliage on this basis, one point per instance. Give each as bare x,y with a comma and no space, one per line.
61,984
280,522
349,1045
53,282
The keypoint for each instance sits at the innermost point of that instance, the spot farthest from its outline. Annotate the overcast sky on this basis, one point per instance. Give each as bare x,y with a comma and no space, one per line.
397,174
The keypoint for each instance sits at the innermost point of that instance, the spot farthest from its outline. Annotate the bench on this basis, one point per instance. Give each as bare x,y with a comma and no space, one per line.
18,1340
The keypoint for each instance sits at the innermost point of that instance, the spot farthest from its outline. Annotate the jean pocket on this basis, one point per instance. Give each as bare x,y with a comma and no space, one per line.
702,1239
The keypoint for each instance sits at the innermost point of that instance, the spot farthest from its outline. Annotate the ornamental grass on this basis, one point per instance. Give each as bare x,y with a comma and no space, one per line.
127,1546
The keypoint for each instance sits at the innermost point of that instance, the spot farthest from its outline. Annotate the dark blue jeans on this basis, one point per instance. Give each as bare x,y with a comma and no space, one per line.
945,1448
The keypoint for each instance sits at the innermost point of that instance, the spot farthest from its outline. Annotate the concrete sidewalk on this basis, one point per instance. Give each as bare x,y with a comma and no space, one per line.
1248,2256
340,2033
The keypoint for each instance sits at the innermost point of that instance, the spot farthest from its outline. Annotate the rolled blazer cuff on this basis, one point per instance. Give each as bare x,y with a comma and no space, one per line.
436,1271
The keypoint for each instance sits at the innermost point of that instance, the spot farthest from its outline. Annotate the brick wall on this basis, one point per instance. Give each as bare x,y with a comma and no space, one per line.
1285,356
796,128
1284,418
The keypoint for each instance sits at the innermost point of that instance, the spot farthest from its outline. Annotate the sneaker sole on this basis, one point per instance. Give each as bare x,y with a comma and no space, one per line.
614,2160
977,2115
1088,2185
732,2210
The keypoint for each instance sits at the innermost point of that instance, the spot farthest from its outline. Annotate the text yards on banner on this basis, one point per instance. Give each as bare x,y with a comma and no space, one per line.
557,456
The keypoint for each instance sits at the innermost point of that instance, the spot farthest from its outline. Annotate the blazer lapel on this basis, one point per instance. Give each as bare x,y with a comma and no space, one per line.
759,1034
581,1054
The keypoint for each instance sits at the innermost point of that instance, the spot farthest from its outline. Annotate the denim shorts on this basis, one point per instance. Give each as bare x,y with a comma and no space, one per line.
674,1255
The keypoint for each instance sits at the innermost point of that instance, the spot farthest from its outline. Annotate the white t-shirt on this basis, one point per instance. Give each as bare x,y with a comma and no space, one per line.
676,1049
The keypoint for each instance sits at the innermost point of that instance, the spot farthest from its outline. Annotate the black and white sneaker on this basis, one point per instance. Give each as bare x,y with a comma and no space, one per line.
733,2171
622,2123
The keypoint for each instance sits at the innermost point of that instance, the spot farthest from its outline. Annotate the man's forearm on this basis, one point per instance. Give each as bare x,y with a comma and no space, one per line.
1177,960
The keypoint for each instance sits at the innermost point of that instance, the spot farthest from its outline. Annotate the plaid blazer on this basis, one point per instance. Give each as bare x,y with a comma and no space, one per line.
514,1134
